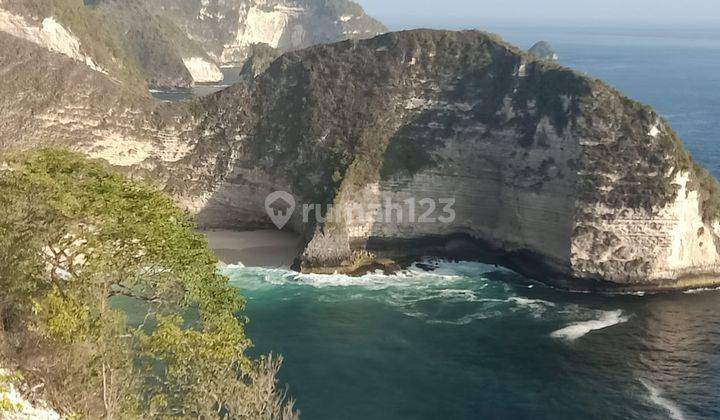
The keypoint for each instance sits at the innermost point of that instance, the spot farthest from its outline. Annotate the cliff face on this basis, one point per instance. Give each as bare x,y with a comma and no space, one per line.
259,59
62,89
178,43
154,43
552,173
68,28
227,29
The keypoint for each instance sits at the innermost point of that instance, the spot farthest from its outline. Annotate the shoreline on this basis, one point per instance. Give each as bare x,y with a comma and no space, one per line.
279,249
258,248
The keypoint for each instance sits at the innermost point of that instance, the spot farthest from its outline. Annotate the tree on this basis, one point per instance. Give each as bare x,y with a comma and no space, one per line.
76,239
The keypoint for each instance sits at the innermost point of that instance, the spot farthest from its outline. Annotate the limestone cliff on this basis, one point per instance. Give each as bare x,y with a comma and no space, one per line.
178,43
154,43
553,174
68,28
49,98
227,29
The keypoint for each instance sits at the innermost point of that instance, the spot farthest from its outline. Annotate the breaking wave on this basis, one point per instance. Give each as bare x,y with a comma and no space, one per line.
701,290
414,276
656,396
438,292
574,331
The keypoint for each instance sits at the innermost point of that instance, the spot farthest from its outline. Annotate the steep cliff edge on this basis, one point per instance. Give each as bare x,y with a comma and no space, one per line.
69,28
154,43
552,173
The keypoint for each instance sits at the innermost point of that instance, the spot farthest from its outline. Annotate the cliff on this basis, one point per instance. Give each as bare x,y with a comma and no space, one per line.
259,59
69,28
553,174
178,43
55,93
155,44
227,29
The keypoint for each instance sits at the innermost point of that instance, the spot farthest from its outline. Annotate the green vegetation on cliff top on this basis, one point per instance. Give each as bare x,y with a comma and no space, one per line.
76,240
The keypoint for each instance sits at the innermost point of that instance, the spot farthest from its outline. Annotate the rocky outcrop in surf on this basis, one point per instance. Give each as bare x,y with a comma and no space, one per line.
552,173
544,51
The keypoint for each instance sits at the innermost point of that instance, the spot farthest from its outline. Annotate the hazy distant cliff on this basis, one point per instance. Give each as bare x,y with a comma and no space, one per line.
226,29
177,43
554,174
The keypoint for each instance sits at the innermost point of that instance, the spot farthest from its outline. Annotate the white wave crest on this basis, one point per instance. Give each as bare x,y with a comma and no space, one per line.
701,290
521,301
574,331
537,307
656,397
235,266
444,272
467,319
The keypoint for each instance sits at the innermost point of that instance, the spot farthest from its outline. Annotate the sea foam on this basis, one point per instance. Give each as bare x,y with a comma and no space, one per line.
656,397
574,331
414,276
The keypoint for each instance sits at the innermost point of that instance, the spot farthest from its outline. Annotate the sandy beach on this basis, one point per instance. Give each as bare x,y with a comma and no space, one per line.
260,248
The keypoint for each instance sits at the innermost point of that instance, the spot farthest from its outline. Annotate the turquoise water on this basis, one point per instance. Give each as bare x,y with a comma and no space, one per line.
473,341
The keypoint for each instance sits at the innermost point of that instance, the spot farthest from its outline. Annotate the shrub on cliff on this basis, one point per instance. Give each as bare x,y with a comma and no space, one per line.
76,243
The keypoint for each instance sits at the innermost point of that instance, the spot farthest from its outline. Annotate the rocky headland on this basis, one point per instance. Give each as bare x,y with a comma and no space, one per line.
544,51
554,174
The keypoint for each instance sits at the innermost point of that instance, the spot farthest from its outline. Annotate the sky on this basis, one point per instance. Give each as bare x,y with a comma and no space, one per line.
400,13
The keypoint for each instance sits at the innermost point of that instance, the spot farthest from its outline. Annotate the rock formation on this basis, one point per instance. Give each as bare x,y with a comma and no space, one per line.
155,44
177,43
544,51
553,174
70,29
227,29
259,59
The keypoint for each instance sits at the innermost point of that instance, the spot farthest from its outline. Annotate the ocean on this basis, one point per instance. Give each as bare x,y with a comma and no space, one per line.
472,341
231,75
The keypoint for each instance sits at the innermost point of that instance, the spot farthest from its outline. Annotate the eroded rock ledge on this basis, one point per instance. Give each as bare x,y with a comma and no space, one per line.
554,174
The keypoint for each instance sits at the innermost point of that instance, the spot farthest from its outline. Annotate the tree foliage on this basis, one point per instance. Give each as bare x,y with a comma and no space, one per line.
75,240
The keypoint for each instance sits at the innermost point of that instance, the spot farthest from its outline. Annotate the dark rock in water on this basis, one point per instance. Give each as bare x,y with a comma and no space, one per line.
259,59
552,173
544,51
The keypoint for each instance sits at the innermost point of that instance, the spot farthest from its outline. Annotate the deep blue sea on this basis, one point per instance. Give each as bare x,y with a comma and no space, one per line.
471,341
